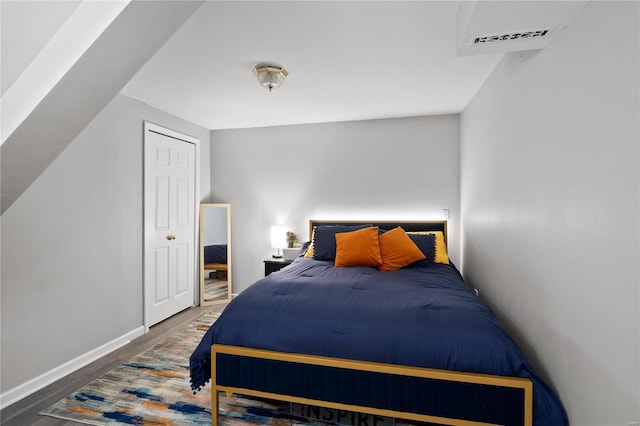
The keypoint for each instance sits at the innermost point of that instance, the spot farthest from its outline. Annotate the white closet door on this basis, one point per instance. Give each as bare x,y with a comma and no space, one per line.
169,223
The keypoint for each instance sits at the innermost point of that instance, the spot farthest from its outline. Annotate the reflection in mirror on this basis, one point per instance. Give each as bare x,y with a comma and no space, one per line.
215,253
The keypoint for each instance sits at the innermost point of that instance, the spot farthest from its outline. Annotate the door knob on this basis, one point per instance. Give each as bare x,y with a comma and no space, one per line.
171,237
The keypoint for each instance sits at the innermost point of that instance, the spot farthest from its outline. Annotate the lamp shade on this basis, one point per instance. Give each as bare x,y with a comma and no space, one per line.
279,237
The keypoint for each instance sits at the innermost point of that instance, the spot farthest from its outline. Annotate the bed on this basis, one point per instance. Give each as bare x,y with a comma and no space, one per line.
215,260
413,342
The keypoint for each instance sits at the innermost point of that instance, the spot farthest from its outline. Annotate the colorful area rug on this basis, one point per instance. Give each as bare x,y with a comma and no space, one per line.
154,389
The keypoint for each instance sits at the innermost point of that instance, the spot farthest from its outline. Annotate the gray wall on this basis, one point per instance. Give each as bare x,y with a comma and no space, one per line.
72,245
403,168
550,208
215,230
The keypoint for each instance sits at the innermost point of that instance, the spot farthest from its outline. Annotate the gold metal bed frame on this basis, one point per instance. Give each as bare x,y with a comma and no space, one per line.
398,370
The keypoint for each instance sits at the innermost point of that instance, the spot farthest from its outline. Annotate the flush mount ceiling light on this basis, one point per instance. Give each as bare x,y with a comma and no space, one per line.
270,76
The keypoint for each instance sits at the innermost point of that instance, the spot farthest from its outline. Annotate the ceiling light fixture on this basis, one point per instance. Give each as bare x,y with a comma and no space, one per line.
270,76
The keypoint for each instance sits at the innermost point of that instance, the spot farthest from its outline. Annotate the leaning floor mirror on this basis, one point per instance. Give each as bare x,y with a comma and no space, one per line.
215,253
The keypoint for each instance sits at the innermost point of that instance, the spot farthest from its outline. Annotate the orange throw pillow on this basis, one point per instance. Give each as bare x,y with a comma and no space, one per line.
398,250
358,248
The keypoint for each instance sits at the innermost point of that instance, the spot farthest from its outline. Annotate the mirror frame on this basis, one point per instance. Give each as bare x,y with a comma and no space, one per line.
204,302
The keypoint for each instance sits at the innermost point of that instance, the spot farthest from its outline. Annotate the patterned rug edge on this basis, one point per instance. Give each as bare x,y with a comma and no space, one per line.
140,367
153,388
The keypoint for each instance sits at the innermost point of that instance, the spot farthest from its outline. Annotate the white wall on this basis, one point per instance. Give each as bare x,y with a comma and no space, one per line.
550,209
72,245
397,168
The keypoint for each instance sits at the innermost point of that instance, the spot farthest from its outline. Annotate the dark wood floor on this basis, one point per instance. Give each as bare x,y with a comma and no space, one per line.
25,412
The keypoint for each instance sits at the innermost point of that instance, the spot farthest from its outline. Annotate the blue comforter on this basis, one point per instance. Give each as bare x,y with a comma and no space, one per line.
216,253
416,316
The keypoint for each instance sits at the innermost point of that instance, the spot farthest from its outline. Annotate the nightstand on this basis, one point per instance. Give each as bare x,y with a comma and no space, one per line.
273,265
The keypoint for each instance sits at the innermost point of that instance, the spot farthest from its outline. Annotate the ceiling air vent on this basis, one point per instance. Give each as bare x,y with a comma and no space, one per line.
519,35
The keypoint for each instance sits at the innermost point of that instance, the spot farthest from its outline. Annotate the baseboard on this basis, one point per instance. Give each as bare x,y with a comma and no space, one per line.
22,391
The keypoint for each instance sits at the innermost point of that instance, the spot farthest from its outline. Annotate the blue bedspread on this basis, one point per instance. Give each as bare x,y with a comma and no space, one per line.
425,317
216,253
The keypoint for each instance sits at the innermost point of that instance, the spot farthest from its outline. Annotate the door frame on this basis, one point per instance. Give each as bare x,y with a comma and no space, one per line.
149,126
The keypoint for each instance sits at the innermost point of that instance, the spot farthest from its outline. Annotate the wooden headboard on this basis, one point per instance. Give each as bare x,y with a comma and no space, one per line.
407,225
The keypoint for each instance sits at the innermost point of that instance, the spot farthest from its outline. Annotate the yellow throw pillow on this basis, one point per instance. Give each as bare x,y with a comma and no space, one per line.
398,250
309,253
441,246
358,248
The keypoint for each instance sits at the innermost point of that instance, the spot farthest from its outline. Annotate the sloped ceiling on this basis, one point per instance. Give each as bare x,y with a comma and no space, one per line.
26,27
348,60
87,86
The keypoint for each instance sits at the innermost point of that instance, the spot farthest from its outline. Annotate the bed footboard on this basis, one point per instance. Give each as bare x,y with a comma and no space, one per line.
411,393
